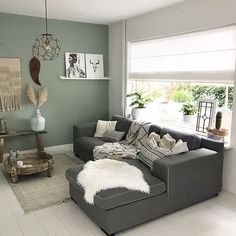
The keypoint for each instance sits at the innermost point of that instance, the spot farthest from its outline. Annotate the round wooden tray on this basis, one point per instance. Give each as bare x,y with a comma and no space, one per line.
40,162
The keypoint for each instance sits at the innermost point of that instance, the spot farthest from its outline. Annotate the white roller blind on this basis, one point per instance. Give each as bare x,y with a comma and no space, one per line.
207,55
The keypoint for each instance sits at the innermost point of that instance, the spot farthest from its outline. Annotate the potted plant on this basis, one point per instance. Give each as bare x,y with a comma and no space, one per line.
139,100
189,110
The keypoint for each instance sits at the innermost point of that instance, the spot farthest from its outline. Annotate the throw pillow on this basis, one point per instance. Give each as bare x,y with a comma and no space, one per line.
102,126
180,147
155,136
113,136
167,142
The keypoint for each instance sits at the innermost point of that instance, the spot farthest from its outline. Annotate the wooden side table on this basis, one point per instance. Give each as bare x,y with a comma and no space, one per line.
38,139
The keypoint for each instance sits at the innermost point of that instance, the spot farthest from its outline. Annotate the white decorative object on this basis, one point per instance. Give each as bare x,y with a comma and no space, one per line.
106,174
94,65
37,122
206,114
20,164
75,65
103,126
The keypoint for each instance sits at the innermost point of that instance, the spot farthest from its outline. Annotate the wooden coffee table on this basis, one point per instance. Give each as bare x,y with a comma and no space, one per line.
39,162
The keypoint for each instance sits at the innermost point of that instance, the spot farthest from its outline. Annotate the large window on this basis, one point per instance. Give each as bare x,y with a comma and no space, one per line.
185,68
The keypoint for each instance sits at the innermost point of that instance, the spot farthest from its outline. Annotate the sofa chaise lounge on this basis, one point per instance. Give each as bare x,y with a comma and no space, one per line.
175,182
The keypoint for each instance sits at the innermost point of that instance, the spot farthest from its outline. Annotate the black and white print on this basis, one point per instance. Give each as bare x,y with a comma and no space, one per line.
75,65
94,65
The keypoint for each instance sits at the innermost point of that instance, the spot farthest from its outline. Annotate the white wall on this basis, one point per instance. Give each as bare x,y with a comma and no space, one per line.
187,16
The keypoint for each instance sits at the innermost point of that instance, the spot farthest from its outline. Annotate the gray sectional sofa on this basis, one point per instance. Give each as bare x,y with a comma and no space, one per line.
176,182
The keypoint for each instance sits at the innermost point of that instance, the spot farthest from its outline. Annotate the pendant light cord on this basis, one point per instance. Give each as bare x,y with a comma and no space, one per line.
46,16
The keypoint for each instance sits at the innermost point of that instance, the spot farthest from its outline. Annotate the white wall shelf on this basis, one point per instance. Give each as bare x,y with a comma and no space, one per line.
65,78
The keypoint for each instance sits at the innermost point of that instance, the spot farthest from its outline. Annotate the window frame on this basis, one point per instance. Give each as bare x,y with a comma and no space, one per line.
152,76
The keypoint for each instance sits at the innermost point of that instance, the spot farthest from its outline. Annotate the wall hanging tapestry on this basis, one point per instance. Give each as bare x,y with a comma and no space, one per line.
10,84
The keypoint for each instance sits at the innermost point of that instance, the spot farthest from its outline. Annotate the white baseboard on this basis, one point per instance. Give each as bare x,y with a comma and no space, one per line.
50,150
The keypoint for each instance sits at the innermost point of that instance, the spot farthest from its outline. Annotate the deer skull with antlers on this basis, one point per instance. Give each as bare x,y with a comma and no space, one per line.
95,65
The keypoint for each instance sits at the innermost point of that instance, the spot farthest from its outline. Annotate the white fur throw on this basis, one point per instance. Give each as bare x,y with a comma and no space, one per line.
106,174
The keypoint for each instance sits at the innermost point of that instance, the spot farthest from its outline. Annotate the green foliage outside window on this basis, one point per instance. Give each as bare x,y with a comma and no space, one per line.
213,92
181,95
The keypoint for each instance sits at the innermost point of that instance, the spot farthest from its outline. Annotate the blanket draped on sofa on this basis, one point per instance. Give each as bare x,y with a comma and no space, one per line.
127,148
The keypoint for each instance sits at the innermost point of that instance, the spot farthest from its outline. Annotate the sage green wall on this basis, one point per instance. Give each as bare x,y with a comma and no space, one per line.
69,101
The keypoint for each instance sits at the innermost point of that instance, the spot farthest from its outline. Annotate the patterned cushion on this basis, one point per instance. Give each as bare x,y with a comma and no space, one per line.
150,151
148,154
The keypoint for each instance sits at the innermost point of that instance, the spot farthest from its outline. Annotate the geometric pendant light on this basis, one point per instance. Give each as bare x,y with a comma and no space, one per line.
46,46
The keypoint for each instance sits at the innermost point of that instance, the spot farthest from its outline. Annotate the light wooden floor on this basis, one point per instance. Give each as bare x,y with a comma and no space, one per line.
213,217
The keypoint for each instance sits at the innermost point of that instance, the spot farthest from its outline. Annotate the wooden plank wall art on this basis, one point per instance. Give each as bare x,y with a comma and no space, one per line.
10,84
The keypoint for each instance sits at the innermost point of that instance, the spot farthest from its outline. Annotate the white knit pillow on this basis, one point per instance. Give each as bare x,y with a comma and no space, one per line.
103,126
180,147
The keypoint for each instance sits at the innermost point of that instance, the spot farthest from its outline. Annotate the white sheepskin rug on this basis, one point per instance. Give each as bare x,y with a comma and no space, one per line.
106,174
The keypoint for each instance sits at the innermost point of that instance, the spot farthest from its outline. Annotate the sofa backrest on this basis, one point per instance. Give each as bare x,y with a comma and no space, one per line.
155,128
194,141
123,124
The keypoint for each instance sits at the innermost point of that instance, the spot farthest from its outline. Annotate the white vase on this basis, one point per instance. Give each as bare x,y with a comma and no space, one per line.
189,118
138,113
37,122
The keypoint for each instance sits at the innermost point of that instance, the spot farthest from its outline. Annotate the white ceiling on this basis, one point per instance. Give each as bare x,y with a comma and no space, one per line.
93,11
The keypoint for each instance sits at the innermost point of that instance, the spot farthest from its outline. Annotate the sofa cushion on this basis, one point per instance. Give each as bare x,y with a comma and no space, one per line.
137,163
111,198
193,141
113,136
123,124
88,143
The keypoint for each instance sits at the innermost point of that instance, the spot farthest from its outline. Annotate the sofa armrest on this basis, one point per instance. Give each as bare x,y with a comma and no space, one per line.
190,177
214,145
84,130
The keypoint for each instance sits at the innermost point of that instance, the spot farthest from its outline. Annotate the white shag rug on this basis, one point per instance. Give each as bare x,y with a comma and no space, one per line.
106,174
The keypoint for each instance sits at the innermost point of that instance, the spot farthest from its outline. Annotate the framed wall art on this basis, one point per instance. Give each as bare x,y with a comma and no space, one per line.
75,65
94,65
10,84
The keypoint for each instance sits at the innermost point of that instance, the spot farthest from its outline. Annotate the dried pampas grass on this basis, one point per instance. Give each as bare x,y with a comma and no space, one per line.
43,96
31,95
39,100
